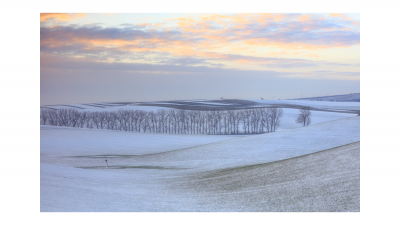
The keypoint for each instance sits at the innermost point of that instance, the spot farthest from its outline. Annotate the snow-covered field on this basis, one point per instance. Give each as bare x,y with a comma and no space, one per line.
105,108
352,97
290,115
160,172
323,105
60,142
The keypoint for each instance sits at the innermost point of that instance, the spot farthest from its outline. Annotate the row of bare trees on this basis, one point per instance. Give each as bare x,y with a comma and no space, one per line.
247,121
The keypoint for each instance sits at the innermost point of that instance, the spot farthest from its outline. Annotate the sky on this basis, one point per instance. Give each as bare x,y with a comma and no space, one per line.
88,57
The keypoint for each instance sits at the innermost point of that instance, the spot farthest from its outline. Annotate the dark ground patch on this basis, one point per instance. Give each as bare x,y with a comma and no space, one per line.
104,156
129,167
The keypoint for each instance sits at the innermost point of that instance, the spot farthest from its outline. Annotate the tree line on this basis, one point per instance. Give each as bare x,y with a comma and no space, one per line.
171,121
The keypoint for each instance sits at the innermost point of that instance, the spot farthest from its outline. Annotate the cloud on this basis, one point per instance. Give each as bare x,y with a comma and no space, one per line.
60,17
89,41
188,61
206,40
205,58
61,63
83,33
66,64
282,30
288,31
273,61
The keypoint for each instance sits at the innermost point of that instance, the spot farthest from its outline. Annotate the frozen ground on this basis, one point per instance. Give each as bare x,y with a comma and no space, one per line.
157,172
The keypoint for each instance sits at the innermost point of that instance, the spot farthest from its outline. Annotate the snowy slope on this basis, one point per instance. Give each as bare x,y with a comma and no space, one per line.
148,171
324,181
65,189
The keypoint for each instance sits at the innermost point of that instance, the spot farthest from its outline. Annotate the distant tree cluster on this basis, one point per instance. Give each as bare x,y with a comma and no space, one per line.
172,121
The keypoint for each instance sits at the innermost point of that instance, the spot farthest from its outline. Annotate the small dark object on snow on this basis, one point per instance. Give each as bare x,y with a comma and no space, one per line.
106,162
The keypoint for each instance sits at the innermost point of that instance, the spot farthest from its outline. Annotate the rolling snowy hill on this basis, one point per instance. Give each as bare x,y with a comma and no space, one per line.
159,172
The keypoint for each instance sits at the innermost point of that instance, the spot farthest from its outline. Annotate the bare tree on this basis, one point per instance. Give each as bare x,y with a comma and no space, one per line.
73,117
52,114
304,117
276,115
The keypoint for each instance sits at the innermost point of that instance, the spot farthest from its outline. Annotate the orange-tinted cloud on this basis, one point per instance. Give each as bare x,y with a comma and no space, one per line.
60,17
341,16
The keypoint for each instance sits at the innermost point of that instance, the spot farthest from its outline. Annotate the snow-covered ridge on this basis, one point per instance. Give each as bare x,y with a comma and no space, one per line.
352,97
225,104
